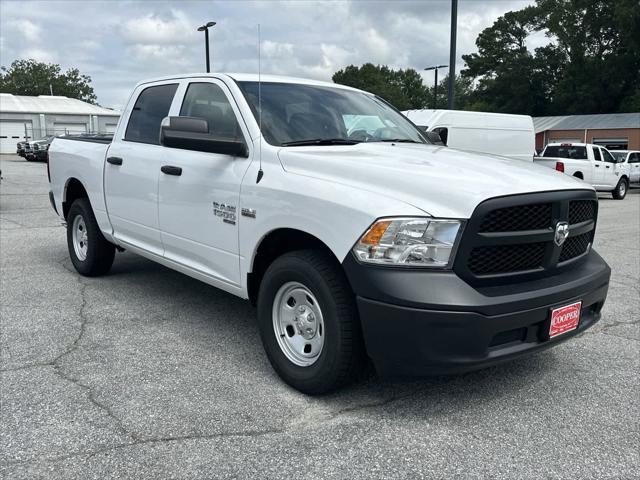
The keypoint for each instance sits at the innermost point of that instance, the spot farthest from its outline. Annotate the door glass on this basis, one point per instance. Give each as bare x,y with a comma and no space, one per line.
607,157
150,108
634,158
596,154
208,101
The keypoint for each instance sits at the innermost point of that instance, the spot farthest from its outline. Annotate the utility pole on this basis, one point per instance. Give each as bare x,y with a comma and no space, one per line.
452,53
435,84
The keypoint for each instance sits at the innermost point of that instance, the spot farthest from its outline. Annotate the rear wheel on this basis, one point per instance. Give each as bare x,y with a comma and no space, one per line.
621,189
309,323
91,253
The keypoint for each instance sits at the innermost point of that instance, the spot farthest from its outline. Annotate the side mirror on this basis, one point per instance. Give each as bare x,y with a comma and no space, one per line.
434,137
192,133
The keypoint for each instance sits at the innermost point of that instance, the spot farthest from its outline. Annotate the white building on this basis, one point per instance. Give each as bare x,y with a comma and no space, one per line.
31,118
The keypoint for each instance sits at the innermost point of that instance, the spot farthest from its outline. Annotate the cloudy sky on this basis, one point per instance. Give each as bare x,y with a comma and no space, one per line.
118,43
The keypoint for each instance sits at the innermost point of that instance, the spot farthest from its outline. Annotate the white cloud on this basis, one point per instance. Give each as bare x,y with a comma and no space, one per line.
152,29
30,30
276,49
38,54
119,43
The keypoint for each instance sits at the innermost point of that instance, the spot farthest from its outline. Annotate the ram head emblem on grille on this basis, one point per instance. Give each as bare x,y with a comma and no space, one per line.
562,232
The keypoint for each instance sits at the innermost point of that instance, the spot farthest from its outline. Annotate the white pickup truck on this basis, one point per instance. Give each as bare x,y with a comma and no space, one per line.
351,242
591,163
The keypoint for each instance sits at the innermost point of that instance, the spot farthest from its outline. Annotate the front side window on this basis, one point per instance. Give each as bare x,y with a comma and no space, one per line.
634,158
596,154
150,108
295,114
607,157
208,101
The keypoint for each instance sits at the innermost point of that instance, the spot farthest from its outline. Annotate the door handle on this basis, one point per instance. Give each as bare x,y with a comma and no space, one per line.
171,170
607,166
114,160
597,166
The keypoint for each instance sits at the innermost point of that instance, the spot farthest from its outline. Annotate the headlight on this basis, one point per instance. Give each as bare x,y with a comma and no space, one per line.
413,242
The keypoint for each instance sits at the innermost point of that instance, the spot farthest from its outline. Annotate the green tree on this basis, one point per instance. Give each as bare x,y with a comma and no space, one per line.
29,77
402,88
462,90
590,65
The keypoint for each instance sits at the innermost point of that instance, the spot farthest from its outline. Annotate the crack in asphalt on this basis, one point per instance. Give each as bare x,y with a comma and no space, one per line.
305,421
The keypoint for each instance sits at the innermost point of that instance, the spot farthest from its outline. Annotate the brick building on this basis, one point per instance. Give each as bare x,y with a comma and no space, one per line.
616,131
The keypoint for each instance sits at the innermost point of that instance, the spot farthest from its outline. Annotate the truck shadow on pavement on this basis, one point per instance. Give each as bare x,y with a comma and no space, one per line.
154,303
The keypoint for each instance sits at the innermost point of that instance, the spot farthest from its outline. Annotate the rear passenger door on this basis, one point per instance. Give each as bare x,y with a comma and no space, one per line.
199,206
133,167
598,167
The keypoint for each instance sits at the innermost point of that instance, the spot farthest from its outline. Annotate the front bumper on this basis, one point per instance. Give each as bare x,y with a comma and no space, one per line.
419,322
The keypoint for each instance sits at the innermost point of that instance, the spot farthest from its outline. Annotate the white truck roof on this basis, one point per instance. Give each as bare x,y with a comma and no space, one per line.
251,77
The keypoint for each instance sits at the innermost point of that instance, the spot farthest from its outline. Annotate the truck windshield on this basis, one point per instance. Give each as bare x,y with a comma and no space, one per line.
575,152
619,156
297,115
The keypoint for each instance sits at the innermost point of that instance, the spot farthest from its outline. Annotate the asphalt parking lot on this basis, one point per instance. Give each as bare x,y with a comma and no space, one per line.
146,373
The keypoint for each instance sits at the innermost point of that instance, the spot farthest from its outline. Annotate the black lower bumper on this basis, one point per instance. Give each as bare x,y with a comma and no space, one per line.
425,323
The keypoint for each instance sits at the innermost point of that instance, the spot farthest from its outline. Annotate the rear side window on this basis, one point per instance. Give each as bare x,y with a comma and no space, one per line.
574,152
150,108
634,158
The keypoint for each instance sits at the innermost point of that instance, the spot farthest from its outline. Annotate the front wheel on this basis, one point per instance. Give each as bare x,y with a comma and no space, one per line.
91,253
621,189
309,323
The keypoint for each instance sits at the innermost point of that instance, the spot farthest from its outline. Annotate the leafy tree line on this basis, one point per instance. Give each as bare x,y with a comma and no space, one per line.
591,64
29,77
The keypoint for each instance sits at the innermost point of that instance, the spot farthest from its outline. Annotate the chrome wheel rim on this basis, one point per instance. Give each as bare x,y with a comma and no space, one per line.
79,237
298,324
622,189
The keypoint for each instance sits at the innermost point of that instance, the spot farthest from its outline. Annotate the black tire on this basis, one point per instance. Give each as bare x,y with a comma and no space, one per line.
621,189
342,354
100,252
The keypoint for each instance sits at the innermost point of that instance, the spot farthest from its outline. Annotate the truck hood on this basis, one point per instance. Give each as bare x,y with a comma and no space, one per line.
441,181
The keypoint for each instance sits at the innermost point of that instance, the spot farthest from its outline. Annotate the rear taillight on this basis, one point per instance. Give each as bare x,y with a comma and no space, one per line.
560,166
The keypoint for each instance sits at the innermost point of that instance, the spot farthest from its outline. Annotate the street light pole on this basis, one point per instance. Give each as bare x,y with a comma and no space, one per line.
205,29
452,52
435,84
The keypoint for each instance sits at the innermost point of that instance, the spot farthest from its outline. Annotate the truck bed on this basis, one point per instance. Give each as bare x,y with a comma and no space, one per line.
89,137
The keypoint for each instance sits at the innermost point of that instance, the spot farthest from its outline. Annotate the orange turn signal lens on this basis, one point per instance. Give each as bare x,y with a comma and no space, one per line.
375,233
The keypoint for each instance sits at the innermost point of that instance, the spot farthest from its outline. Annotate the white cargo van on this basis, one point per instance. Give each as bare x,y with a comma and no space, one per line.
502,134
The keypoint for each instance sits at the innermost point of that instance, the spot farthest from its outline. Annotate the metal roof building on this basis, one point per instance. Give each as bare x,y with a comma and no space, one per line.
31,118
613,130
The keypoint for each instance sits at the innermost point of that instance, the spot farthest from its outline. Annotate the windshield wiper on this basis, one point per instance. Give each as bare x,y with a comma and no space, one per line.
398,140
320,141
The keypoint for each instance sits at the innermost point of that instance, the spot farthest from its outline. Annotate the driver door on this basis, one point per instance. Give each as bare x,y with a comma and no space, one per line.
199,196
610,173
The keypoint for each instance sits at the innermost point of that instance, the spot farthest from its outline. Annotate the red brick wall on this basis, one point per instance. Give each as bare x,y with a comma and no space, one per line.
633,134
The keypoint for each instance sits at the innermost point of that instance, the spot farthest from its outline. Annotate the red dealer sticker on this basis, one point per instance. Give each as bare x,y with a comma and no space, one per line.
564,319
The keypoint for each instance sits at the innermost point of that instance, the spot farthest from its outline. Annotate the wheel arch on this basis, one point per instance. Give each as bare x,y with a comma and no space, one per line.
274,244
73,190
579,175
